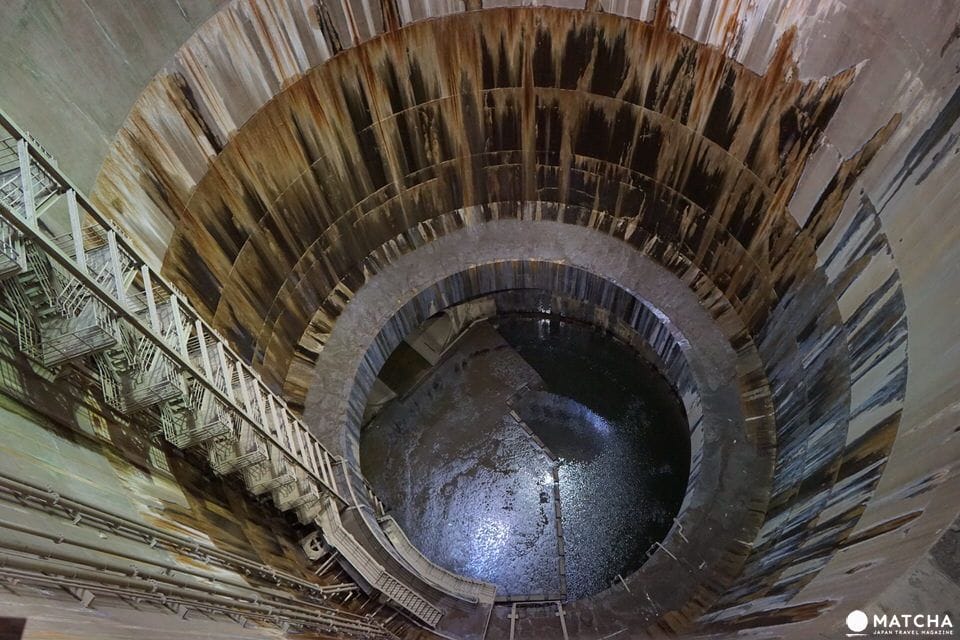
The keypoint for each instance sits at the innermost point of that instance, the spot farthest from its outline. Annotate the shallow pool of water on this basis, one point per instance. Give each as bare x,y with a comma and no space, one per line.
465,460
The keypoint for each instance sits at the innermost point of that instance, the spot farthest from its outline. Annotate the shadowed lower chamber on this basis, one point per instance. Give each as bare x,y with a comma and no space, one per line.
531,451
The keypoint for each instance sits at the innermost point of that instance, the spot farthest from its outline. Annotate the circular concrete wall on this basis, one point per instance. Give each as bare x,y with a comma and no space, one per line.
791,165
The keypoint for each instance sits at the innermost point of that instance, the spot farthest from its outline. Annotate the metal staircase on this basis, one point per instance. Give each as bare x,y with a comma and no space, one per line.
475,591
57,326
369,570
85,297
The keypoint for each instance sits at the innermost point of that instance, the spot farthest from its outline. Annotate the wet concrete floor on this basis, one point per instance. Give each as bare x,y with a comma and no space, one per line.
466,460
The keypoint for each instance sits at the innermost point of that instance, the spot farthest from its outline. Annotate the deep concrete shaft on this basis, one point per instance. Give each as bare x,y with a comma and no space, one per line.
762,195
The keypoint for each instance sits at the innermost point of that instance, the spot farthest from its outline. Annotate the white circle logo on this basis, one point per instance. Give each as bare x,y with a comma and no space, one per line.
857,620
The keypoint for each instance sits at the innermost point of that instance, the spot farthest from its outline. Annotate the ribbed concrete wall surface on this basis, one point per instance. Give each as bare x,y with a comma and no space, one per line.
788,166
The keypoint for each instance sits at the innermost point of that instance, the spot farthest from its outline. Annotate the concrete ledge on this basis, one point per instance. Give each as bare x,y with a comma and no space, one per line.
736,466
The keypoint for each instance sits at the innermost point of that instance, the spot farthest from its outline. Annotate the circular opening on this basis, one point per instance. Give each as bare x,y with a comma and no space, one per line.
537,453
611,287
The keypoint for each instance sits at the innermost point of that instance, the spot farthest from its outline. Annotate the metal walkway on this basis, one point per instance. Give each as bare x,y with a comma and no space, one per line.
371,571
84,296
474,591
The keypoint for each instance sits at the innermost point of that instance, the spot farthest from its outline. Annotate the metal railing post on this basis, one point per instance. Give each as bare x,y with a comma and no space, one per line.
76,230
180,335
117,269
26,184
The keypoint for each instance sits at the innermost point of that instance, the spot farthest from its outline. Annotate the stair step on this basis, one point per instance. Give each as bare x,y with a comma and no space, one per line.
8,267
227,462
271,484
286,500
183,435
59,347
145,395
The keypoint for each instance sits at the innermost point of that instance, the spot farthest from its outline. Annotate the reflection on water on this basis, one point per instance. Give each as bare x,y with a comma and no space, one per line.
474,491
490,539
621,436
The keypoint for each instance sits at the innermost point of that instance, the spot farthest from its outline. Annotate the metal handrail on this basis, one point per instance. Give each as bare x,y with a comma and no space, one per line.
288,433
371,570
458,586
238,419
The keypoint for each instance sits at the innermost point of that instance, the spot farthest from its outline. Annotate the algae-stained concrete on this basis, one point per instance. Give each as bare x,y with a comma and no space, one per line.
790,162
